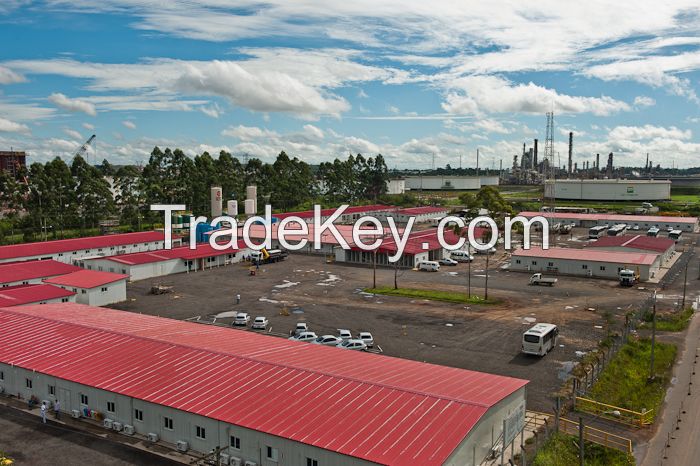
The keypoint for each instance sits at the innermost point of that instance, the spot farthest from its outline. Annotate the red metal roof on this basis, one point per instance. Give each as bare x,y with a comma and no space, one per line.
423,210
631,258
643,242
182,252
14,251
381,409
620,218
31,294
29,270
357,209
86,278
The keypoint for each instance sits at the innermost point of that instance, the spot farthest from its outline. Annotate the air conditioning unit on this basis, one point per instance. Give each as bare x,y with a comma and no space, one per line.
182,445
235,461
118,426
107,423
225,459
75,413
128,430
152,437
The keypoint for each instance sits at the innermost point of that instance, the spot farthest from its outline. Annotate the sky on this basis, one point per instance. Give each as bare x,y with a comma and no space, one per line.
419,82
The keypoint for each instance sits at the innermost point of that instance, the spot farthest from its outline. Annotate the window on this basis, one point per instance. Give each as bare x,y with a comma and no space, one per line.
138,415
201,432
83,399
168,423
124,271
602,267
534,262
52,390
60,254
99,250
64,300
99,267
28,383
2,375
103,289
111,269
74,252
311,462
25,283
517,261
551,264
83,291
110,407
272,453
235,442
584,266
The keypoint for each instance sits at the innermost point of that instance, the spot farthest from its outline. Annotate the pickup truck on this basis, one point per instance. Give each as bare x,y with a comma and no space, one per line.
538,279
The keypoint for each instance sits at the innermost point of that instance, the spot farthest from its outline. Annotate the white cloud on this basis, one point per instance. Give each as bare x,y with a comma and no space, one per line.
644,101
25,111
313,132
248,133
88,126
72,105
73,133
7,76
129,124
491,126
492,94
213,111
8,126
393,109
637,133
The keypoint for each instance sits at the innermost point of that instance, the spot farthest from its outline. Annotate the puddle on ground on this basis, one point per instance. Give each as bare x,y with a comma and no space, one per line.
223,315
297,310
565,371
287,284
528,320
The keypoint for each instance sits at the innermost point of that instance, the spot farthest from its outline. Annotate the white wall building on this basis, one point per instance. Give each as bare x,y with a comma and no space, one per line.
609,190
93,287
644,222
449,182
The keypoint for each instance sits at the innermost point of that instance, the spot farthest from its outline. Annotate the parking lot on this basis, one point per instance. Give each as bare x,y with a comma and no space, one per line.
329,296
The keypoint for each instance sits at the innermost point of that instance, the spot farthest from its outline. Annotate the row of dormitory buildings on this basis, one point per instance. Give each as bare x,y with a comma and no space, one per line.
196,387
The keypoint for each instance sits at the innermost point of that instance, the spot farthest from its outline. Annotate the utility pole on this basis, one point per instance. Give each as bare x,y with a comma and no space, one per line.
685,284
653,337
486,283
469,272
580,441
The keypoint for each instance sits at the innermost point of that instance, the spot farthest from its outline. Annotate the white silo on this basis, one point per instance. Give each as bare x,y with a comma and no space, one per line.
232,208
216,201
250,207
251,192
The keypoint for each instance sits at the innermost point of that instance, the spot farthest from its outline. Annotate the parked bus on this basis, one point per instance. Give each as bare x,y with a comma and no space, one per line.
653,231
675,235
617,230
596,232
540,339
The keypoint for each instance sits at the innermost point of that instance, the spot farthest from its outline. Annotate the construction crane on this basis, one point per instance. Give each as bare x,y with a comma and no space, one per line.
84,148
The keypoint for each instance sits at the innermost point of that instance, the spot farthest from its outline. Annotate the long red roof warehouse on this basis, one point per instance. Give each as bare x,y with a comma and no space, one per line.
643,242
359,404
29,270
14,251
635,258
86,278
30,294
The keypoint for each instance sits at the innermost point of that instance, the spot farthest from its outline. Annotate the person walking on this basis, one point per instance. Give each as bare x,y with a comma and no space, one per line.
238,298
57,409
43,412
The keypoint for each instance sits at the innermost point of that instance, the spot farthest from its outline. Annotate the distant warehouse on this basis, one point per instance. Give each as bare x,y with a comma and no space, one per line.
585,262
685,224
609,190
264,400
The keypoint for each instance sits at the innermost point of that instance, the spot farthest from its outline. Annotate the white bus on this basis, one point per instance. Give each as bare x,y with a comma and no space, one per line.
653,232
540,339
596,232
675,235
617,230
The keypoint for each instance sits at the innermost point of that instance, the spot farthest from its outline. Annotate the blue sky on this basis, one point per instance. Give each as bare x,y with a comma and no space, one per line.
410,79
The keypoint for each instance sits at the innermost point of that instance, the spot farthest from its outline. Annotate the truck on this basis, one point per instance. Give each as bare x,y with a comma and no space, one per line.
265,256
538,279
628,277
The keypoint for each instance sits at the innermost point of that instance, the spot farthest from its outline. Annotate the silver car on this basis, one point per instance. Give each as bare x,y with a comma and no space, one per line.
327,340
304,336
242,318
367,338
260,323
356,345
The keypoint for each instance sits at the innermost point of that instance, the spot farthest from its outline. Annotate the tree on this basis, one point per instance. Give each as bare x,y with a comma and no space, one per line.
93,194
130,199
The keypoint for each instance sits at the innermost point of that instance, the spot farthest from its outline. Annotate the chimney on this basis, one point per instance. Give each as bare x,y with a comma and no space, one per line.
571,150
597,162
609,170
534,150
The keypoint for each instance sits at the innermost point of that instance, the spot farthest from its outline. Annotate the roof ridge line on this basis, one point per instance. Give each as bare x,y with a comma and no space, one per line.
248,358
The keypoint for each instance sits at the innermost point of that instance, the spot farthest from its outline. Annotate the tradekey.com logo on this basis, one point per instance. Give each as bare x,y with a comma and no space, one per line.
368,232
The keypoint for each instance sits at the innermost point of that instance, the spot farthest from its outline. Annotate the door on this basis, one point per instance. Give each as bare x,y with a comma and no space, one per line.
64,398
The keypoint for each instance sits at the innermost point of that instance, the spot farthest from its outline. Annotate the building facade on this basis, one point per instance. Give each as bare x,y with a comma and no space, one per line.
449,182
92,287
609,190
644,222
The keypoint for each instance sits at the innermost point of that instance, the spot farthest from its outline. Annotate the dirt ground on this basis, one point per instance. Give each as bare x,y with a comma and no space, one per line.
483,338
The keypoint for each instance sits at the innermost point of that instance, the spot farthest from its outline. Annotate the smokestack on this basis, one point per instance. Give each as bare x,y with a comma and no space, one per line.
216,201
571,150
597,161
534,150
609,170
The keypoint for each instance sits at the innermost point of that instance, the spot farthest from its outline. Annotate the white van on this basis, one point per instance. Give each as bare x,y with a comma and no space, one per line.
461,256
429,266
540,339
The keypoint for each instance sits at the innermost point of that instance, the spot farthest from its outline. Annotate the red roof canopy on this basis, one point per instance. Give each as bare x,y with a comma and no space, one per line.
643,242
76,244
632,258
327,212
86,279
18,271
30,294
621,218
378,408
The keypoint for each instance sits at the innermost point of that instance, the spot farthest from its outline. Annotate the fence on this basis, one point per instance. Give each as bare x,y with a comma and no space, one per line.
615,413
593,435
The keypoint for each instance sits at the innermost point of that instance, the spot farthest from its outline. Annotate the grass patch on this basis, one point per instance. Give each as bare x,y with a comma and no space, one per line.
624,382
669,322
435,295
562,450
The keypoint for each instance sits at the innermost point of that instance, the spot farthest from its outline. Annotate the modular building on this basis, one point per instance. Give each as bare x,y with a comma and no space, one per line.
449,182
265,400
644,222
585,262
70,250
608,190
21,295
350,215
93,287
665,247
142,265
32,272
422,214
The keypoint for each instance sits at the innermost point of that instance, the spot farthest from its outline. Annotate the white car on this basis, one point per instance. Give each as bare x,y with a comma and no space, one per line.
300,328
356,345
344,334
447,261
304,336
260,323
635,228
327,340
487,251
242,318
367,338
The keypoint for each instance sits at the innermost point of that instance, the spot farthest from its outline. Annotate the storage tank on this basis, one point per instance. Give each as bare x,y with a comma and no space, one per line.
232,208
251,192
216,200
250,207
